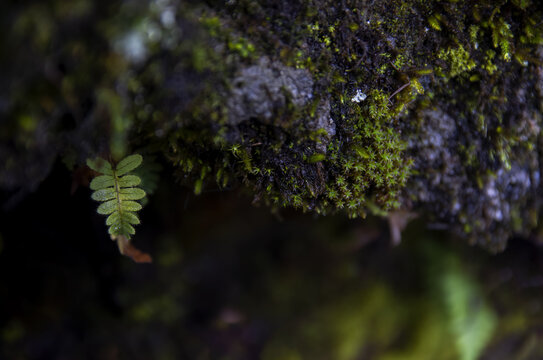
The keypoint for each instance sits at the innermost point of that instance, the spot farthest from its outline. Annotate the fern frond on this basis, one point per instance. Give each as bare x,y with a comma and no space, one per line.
118,193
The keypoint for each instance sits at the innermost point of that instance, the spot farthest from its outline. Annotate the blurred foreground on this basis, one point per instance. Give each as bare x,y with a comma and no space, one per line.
230,281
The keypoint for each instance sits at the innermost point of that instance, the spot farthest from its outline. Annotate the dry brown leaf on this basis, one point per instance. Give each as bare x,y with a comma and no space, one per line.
397,221
129,250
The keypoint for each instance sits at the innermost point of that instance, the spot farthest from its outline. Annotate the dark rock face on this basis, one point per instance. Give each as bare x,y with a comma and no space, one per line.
486,210
260,91
469,93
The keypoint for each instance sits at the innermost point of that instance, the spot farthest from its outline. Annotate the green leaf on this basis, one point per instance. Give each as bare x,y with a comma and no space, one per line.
128,181
104,194
108,207
131,206
126,228
100,165
128,164
113,219
471,319
115,229
131,194
131,218
102,182
122,229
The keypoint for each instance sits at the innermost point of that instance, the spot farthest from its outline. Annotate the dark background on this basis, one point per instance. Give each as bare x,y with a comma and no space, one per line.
233,281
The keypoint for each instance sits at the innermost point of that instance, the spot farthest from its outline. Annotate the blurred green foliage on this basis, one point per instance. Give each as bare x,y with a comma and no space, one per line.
470,319
376,321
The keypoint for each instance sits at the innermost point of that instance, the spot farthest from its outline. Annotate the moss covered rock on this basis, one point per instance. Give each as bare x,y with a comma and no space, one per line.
421,106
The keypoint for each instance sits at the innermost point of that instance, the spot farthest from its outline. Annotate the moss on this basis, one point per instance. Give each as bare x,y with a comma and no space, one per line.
458,60
369,167
358,159
262,96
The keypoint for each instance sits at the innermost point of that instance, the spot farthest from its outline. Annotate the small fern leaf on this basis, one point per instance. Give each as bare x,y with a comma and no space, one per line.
108,207
128,164
131,206
128,229
131,218
131,194
113,219
100,165
124,228
129,181
102,182
104,194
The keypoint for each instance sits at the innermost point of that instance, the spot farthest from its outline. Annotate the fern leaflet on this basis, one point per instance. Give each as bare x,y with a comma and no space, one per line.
117,190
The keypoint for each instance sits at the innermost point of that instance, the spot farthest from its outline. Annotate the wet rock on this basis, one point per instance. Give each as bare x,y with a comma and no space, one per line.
264,91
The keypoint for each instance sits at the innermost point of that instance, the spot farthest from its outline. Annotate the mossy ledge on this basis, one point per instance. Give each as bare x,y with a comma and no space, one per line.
364,107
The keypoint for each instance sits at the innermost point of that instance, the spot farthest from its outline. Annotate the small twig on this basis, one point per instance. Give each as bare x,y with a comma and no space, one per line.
394,66
400,89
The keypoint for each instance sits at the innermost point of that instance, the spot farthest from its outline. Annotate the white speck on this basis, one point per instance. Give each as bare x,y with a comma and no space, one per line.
368,22
426,29
456,207
132,47
491,191
154,34
167,18
360,96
